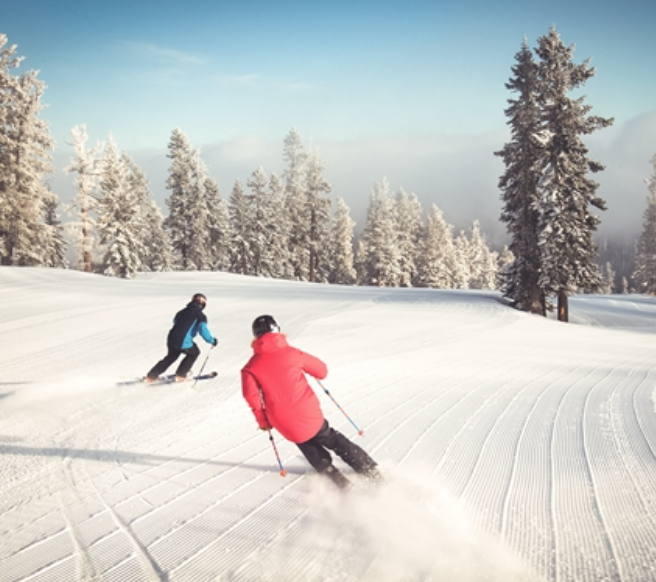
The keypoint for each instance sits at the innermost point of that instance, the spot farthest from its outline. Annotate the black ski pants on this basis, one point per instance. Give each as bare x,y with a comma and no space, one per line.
191,355
315,451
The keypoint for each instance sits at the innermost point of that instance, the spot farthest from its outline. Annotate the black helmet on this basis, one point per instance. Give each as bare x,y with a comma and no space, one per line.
264,324
200,298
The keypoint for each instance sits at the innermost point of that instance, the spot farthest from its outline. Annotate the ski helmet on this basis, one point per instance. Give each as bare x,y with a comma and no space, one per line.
200,298
264,324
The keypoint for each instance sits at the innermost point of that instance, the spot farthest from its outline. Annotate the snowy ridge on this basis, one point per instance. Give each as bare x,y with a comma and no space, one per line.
514,447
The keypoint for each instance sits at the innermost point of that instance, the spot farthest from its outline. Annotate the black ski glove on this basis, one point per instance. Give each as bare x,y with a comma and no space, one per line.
216,341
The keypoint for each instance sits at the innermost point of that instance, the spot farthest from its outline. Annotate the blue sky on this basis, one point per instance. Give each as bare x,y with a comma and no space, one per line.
412,91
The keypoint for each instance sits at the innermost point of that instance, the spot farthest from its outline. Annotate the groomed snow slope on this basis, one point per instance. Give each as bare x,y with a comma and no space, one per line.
515,447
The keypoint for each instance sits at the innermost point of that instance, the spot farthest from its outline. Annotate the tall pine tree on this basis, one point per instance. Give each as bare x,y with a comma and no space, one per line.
86,166
25,160
567,225
179,182
239,212
342,269
119,221
408,226
317,213
522,157
380,262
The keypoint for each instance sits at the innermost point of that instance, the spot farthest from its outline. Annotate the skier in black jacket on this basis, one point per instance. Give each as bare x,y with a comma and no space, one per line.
187,323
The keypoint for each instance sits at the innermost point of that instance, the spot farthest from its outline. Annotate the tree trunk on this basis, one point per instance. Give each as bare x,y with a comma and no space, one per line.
563,307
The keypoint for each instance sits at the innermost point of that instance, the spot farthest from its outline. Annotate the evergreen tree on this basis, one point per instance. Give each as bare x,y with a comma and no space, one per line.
294,179
644,276
86,165
566,224
278,228
219,227
25,160
240,222
198,215
317,212
462,272
53,243
522,157
379,238
119,220
261,263
179,182
482,262
148,222
437,263
342,269
409,227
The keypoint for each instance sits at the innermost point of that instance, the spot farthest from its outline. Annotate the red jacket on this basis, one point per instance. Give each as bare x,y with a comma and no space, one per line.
275,375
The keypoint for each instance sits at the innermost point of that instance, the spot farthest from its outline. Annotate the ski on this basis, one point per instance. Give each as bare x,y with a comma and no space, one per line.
169,379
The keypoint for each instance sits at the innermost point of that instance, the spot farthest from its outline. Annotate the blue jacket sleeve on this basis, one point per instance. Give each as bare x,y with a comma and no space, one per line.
205,333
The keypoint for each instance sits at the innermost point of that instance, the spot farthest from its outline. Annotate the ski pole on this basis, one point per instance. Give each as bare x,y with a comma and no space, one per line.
203,367
283,472
360,432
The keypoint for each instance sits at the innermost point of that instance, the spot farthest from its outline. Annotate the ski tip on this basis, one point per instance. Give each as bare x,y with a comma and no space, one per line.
283,473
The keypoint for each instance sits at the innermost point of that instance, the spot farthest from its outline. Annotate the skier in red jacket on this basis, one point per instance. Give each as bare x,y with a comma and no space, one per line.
275,387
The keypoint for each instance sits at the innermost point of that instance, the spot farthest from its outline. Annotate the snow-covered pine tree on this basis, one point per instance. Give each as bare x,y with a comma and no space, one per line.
437,260
219,228
318,216
644,275
239,212
119,222
294,179
86,165
482,262
278,228
25,160
261,263
409,227
379,238
198,213
148,222
53,243
342,269
462,273
522,157
179,182
360,264
566,224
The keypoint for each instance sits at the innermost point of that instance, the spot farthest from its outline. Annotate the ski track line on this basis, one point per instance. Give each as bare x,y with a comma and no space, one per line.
190,515
460,394
576,516
396,410
614,564
240,544
642,402
630,518
522,406
151,565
